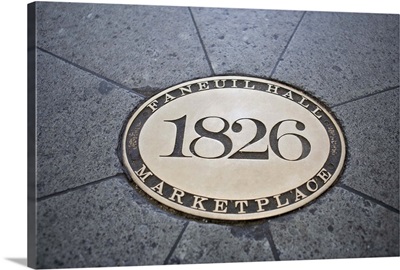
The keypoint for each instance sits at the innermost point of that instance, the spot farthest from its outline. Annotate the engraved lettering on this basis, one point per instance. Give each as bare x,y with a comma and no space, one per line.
324,175
288,95
220,206
310,188
168,98
153,105
260,203
203,86
234,83
198,202
180,130
272,89
142,174
317,110
241,205
217,83
217,136
159,188
177,195
226,141
302,102
274,140
186,90
299,195
260,133
278,201
247,85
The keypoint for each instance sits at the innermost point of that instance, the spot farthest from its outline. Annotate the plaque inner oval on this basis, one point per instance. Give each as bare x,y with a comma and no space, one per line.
226,177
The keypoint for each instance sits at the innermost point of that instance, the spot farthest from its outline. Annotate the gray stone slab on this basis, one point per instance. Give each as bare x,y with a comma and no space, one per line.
103,224
341,56
215,243
79,119
339,224
371,126
142,47
338,57
245,41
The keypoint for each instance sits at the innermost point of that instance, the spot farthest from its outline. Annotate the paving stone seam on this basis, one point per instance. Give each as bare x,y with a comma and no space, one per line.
176,243
367,197
287,45
58,193
91,72
274,249
201,42
366,96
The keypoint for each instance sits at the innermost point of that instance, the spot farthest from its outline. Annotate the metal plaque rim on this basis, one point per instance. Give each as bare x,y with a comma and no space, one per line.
235,217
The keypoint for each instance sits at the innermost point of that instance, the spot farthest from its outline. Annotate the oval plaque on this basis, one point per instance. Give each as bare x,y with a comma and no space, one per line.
233,148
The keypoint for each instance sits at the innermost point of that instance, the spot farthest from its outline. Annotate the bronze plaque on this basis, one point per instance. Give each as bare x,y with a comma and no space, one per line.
233,148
